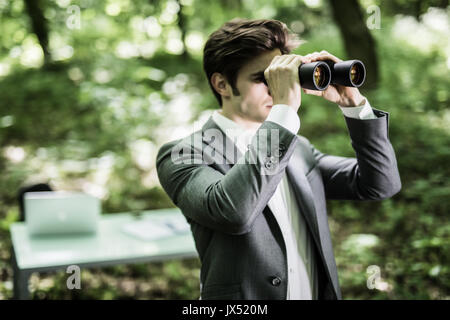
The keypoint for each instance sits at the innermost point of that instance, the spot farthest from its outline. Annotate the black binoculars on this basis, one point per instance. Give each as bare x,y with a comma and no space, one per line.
320,74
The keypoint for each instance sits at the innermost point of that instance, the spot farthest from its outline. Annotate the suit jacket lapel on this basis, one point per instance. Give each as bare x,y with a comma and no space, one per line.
295,171
226,151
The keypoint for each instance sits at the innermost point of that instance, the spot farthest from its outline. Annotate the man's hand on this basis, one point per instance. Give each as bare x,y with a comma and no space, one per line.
282,79
343,96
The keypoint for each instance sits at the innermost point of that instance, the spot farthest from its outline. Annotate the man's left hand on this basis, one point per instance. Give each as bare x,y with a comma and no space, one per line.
341,95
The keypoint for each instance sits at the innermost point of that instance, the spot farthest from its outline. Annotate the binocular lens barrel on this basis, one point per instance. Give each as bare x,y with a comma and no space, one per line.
318,75
350,73
314,75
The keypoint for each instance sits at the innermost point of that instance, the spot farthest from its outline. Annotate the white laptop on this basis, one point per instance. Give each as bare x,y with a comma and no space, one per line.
61,212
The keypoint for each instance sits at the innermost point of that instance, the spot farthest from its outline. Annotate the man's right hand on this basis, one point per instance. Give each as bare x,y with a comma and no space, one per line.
282,79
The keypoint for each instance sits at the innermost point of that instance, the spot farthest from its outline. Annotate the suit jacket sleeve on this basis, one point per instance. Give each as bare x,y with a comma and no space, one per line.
373,174
228,203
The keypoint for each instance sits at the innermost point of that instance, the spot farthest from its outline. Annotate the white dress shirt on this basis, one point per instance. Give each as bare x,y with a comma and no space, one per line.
301,258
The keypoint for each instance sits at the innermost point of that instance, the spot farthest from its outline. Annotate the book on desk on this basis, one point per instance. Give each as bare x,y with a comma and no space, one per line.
150,229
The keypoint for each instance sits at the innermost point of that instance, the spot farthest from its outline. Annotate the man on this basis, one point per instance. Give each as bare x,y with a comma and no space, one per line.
259,219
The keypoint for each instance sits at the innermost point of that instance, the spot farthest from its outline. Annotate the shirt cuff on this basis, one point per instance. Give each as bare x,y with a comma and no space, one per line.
363,112
285,116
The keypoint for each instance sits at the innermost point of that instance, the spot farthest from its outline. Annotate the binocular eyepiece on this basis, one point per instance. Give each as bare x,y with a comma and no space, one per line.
320,74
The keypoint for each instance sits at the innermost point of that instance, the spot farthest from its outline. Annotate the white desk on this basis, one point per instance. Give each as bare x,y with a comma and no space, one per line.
109,246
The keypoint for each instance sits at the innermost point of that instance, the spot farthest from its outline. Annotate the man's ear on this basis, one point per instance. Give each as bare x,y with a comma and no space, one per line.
221,85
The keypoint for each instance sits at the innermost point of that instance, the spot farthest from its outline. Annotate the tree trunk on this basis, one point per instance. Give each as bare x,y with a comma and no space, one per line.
39,25
183,29
358,41
231,4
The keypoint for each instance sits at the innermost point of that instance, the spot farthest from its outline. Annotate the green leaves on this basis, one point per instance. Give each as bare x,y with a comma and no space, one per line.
87,121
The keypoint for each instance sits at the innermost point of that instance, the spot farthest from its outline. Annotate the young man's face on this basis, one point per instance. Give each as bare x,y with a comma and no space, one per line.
254,102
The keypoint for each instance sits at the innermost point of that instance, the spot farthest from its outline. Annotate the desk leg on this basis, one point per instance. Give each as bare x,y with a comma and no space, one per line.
20,281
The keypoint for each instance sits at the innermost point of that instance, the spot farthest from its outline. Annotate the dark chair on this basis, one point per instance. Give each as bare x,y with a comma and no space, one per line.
32,188
20,197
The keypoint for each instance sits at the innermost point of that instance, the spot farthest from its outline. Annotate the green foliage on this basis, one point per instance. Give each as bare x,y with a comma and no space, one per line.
93,120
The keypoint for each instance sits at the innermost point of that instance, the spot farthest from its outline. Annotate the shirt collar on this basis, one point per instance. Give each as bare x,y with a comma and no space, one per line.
238,134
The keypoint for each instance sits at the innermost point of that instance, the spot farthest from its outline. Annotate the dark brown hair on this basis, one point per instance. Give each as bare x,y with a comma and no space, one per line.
238,41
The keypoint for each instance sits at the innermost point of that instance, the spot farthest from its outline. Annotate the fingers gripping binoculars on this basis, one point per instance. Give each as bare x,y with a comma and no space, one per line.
320,74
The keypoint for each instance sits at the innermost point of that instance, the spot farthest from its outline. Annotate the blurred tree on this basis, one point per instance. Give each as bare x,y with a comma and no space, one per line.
231,4
35,11
413,8
182,25
358,41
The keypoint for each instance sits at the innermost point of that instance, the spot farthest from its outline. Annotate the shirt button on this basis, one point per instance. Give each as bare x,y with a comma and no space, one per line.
269,165
290,270
276,281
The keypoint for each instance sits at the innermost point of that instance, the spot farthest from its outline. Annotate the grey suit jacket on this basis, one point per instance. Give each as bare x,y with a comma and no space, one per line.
239,242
